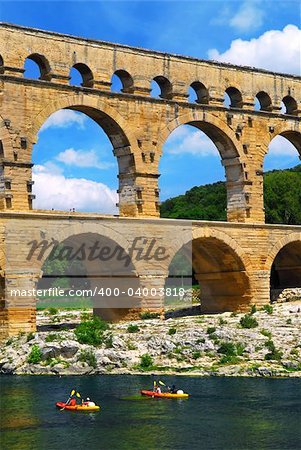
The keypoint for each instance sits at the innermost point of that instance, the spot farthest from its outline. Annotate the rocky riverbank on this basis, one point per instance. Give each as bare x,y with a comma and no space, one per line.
261,343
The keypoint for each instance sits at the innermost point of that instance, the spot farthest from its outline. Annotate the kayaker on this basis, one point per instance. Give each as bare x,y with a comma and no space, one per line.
88,402
173,389
158,390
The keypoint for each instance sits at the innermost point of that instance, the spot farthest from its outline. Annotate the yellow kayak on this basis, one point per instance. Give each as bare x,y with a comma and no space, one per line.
164,394
77,407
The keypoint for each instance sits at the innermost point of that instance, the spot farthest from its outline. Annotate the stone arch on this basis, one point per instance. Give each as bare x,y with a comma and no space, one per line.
86,74
291,107
291,131
165,86
43,64
97,108
265,101
126,80
221,267
235,96
202,94
276,248
119,133
74,229
231,154
210,232
107,273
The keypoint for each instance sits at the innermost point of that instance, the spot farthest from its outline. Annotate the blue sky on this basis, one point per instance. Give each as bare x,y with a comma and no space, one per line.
73,153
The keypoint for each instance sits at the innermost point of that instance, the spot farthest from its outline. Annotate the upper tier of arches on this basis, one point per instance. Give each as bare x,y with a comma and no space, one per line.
194,92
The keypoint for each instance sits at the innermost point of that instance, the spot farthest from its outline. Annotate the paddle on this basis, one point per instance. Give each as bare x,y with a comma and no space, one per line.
162,384
71,393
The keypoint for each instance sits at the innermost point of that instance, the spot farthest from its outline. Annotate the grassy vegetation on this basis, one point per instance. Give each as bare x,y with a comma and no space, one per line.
88,356
133,328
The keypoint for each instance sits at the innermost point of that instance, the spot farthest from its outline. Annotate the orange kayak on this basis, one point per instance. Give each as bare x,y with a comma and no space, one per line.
163,394
77,407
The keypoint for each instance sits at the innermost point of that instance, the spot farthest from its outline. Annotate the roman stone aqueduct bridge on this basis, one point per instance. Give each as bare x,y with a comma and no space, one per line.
232,260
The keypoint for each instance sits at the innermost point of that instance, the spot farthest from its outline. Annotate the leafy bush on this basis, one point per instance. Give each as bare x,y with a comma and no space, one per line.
88,356
248,321
172,331
91,331
131,346
35,355
229,359
289,321
86,316
30,336
149,315
231,350
227,348
268,309
253,309
211,330
273,353
221,321
133,328
266,333
53,337
52,311
146,361
196,354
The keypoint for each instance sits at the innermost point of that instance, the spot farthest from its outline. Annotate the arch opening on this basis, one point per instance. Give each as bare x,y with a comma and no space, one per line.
282,179
290,106
263,102
198,93
193,151
122,81
161,87
217,274
36,66
286,269
75,168
233,98
88,267
81,75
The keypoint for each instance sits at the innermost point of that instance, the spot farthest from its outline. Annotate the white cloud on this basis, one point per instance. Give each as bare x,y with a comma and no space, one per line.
54,190
82,158
280,146
249,17
64,118
277,50
183,140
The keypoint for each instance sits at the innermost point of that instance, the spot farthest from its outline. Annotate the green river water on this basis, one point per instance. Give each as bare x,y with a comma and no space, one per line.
222,413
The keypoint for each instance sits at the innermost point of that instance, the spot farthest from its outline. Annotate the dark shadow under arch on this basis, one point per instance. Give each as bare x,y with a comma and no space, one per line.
220,272
96,264
286,268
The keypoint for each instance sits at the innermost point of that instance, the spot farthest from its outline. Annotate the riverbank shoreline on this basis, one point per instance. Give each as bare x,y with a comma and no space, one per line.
263,343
